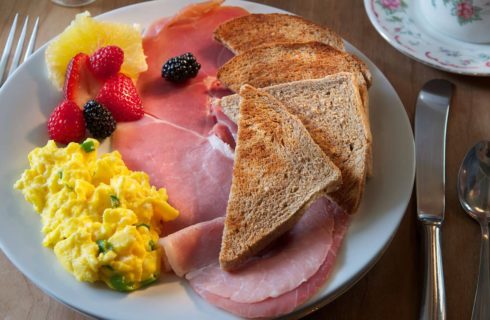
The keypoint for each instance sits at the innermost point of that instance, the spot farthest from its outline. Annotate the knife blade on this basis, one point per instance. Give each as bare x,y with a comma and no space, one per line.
431,114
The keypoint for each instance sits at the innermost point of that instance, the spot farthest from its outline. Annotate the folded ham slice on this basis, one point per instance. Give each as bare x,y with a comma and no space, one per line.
297,256
274,283
196,170
191,30
225,129
194,247
287,302
179,143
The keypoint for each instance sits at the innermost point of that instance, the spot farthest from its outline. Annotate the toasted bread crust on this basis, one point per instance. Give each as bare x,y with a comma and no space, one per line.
253,30
333,113
363,90
280,63
278,172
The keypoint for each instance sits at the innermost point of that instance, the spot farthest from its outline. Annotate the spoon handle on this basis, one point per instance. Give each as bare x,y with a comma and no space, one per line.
481,306
434,295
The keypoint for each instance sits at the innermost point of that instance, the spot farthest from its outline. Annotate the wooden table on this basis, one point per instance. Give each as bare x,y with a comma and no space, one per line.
392,289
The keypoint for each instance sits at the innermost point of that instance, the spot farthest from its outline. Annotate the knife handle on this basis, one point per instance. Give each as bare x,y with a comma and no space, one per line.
434,296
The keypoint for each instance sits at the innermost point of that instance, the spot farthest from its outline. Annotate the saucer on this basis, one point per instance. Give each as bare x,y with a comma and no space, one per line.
400,23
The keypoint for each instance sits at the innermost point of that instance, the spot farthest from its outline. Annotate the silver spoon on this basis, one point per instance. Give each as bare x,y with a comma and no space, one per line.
473,191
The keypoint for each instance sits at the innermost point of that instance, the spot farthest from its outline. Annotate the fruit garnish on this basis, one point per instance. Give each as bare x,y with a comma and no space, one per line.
87,35
180,68
99,120
106,61
80,84
119,95
66,123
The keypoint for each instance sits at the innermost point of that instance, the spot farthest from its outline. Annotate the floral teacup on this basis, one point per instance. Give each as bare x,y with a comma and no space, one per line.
466,20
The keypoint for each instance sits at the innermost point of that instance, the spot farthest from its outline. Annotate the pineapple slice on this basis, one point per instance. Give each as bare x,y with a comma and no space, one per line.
86,35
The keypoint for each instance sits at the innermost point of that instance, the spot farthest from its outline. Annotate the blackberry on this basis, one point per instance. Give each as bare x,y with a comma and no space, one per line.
99,120
180,68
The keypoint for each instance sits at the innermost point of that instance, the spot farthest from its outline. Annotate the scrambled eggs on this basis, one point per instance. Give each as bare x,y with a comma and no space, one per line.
102,219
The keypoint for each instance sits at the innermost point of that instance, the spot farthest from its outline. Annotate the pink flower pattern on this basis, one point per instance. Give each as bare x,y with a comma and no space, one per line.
465,10
391,4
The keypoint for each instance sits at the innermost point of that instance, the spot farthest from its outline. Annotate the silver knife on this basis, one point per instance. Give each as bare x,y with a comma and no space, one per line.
430,144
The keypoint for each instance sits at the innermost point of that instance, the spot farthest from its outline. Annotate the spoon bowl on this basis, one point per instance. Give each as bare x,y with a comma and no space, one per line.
474,196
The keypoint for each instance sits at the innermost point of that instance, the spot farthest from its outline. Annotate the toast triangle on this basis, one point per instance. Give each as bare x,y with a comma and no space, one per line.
332,112
278,172
253,30
272,64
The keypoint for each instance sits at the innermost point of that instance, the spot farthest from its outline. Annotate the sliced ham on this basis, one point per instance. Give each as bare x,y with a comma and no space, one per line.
222,118
286,303
179,143
273,284
186,144
215,88
225,128
296,258
224,134
190,31
193,12
193,247
196,170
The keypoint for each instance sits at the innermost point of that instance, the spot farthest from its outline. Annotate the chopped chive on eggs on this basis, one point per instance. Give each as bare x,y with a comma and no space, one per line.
101,219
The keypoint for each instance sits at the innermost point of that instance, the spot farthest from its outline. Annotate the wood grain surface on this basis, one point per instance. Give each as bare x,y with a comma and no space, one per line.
392,289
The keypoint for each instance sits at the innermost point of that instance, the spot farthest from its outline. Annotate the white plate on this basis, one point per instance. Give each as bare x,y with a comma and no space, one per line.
403,26
27,100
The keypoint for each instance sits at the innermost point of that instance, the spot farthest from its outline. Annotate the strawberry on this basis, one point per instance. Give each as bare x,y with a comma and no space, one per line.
119,95
106,61
80,84
66,123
